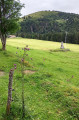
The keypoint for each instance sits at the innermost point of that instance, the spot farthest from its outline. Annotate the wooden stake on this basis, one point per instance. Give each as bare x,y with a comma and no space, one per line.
9,92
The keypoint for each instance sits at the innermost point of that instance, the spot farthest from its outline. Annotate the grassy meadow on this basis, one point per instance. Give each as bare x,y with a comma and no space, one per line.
52,92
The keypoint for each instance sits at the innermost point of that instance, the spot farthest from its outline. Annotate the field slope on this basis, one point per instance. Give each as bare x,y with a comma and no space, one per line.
52,92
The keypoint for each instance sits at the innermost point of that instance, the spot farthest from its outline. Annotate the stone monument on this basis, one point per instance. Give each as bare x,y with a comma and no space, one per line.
62,46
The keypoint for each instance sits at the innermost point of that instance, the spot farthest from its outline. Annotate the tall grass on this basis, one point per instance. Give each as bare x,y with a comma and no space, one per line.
52,92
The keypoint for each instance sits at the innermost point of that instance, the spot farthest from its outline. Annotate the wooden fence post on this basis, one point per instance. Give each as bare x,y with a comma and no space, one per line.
9,92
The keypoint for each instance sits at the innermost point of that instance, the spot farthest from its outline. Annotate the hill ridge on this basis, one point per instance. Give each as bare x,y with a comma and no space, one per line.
50,25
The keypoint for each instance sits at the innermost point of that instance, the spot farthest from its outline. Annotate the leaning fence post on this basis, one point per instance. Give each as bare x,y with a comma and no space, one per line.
9,92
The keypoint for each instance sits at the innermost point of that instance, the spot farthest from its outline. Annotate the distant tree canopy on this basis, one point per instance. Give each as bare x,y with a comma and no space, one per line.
50,25
9,16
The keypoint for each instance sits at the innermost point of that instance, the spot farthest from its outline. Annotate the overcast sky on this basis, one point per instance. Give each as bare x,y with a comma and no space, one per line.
31,6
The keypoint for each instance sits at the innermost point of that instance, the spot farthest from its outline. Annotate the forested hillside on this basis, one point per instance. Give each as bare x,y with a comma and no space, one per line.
51,26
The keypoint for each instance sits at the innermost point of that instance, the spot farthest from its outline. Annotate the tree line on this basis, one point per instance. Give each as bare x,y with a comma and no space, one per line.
56,36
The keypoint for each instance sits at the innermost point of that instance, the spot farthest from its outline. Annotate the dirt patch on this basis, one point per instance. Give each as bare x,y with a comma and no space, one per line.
29,72
1,73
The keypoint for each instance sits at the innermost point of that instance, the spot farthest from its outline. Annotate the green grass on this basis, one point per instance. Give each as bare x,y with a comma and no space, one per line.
61,21
41,14
52,93
40,44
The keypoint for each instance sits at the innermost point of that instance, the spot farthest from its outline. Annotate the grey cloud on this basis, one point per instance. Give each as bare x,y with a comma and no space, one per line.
59,5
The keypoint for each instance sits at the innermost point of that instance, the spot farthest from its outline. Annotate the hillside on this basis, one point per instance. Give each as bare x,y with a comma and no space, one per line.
50,25
52,92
